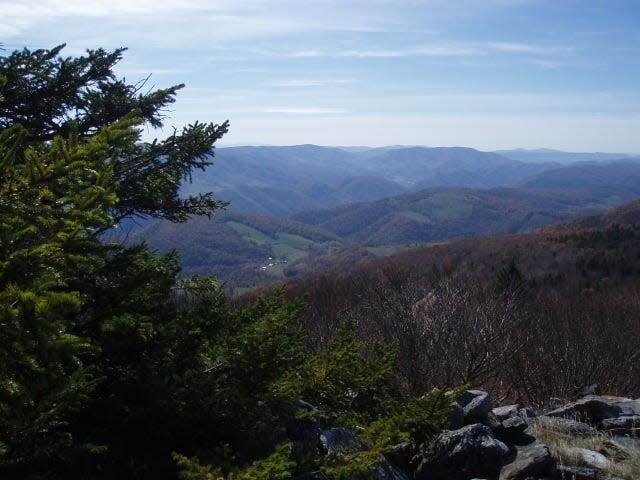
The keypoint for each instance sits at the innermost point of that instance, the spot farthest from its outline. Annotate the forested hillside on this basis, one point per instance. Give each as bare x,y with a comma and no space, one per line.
280,181
111,367
244,250
240,249
530,315
114,366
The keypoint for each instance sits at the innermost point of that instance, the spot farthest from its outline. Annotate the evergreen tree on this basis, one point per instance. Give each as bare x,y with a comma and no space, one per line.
50,95
111,367
71,308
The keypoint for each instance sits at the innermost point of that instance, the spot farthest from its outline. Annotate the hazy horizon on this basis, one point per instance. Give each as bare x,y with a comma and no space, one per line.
224,144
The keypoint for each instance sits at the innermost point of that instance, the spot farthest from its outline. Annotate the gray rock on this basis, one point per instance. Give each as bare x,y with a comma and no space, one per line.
515,424
624,425
456,417
589,458
341,439
386,471
468,452
531,461
511,431
476,405
595,408
304,427
628,445
528,412
507,411
564,425
570,472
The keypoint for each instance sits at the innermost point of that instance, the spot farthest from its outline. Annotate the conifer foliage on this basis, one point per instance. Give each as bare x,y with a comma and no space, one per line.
50,96
80,319
110,365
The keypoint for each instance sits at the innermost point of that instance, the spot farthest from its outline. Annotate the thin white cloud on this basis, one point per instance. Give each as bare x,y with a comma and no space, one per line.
160,22
310,82
436,50
514,47
422,51
304,110
547,64
114,8
427,51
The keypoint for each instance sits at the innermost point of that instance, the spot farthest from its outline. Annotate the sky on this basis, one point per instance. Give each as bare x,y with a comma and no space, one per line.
487,74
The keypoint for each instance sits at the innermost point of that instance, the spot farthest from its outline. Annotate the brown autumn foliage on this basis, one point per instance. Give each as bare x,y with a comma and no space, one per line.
530,316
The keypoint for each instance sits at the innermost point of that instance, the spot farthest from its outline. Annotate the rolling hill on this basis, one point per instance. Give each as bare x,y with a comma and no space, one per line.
445,213
240,249
544,155
247,249
598,252
280,181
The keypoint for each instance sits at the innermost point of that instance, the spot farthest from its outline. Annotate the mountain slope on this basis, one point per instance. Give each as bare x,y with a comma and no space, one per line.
556,156
420,167
445,213
280,181
241,249
598,251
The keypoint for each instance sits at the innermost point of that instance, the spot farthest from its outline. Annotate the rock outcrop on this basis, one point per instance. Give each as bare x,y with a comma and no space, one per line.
490,443
468,452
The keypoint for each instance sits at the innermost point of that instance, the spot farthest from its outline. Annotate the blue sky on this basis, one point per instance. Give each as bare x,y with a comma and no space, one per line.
488,74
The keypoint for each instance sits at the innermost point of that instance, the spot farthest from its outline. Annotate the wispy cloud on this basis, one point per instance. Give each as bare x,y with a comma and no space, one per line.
359,62
422,51
304,110
310,82
515,47
512,47
435,50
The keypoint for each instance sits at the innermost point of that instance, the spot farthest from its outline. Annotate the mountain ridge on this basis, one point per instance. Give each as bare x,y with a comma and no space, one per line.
252,177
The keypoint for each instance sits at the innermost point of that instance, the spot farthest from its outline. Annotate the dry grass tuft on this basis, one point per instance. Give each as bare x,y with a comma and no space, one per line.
562,446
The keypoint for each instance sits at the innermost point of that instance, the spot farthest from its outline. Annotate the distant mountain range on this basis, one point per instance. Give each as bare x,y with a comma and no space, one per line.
280,181
444,213
470,193
544,155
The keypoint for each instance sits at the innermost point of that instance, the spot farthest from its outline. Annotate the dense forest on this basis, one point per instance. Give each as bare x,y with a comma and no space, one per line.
112,365
246,249
530,316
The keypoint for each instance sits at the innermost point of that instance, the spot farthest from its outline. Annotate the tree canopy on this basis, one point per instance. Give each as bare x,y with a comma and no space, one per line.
72,309
111,366
49,96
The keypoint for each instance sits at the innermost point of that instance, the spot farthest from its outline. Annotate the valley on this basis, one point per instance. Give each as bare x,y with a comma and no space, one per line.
302,209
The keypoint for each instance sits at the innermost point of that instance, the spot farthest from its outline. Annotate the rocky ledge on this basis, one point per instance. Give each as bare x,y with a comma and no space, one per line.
505,443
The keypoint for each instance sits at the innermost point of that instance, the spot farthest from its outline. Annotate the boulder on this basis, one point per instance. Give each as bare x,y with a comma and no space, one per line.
596,408
506,411
589,458
385,471
511,431
624,425
476,405
456,417
570,472
468,452
303,428
340,439
627,445
531,461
